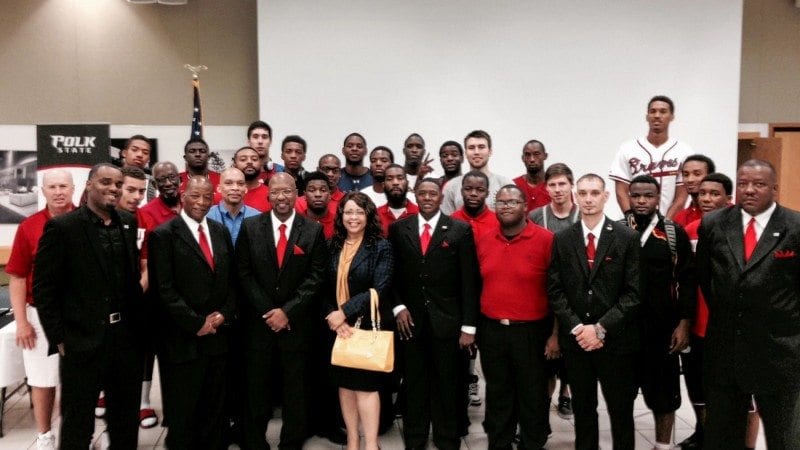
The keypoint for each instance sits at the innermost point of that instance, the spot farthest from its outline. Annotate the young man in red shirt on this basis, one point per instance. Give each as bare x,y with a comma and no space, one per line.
693,170
395,186
247,160
532,182
318,200
474,190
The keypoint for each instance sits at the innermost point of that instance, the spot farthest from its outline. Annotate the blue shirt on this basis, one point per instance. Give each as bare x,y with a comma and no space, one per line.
350,183
218,213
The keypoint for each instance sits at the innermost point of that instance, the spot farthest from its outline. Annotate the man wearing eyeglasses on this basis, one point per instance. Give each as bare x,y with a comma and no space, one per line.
513,262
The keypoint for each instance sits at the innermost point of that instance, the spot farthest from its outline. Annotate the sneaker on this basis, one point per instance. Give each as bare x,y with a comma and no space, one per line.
474,393
564,407
100,408
147,418
103,441
46,441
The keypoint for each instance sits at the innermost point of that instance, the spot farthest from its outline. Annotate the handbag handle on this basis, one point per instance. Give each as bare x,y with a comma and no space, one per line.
373,309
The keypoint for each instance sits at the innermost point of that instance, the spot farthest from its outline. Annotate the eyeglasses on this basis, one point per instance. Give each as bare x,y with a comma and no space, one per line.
357,212
508,203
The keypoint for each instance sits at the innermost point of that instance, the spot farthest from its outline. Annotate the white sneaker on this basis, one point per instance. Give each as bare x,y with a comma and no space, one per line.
46,441
474,393
103,442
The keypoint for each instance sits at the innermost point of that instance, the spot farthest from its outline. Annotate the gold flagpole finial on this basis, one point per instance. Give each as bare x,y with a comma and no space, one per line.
195,69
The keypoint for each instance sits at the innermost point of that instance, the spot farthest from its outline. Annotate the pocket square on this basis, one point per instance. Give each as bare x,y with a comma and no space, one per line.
298,250
784,254
445,244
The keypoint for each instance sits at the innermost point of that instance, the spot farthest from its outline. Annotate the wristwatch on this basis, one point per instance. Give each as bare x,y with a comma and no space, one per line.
599,331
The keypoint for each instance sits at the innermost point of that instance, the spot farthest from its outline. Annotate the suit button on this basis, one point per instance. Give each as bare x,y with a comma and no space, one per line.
587,315
590,292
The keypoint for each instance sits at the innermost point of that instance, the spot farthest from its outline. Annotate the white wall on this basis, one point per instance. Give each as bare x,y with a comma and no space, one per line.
575,74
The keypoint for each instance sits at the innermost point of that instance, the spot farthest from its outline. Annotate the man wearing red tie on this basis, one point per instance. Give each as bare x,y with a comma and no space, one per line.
749,268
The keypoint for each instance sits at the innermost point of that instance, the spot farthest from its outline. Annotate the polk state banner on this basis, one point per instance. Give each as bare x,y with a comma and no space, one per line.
74,148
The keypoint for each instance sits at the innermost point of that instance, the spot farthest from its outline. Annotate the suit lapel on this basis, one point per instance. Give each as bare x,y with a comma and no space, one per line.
769,238
606,238
579,246
735,236
361,256
410,232
297,228
185,234
439,233
269,242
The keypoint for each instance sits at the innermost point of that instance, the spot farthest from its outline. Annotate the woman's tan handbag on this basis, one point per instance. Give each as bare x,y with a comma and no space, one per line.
366,349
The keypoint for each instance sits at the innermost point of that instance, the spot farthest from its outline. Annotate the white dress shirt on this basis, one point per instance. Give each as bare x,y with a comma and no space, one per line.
193,225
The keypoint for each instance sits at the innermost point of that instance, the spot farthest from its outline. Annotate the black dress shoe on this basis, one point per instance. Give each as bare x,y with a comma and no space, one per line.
693,442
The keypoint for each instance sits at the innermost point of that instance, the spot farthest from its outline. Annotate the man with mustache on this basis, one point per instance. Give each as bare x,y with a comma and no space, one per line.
231,210
246,159
379,159
355,176
397,206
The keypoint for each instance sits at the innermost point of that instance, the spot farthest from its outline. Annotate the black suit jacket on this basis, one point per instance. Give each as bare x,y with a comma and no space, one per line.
70,281
754,308
609,294
293,288
186,289
443,285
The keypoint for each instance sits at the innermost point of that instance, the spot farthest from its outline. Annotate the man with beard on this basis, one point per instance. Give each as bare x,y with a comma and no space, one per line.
231,210
513,264
318,199
594,290
159,210
397,206
195,154
435,298
379,159
259,138
694,169
451,156
474,190
281,258
293,153
193,283
86,286
417,164
355,176
668,302
247,160
478,148
532,183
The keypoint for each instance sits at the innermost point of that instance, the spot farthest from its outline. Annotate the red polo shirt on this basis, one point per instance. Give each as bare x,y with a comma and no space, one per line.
387,218
483,223
701,312
514,274
326,221
213,177
686,216
23,251
258,198
151,215
536,196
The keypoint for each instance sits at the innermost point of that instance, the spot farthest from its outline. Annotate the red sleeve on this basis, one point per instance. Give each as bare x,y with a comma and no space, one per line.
20,263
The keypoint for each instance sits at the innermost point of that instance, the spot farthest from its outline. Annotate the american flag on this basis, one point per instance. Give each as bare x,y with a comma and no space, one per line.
197,114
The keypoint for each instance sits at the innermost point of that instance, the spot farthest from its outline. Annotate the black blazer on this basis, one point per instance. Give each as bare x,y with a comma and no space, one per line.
293,288
444,284
372,267
186,289
754,307
70,281
608,294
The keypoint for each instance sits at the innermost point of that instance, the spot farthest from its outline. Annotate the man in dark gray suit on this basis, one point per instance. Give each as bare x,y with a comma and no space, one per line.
594,290
748,259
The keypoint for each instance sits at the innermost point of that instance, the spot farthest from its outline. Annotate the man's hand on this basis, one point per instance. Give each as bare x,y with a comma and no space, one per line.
344,330
216,318
405,324
587,338
26,335
425,168
207,328
551,349
276,319
335,319
466,341
680,337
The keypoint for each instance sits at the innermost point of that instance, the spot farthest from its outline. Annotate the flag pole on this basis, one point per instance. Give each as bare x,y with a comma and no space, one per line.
197,113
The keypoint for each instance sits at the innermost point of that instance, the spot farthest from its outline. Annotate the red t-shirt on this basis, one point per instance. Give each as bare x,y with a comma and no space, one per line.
258,198
485,222
514,274
387,218
536,196
23,252
701,312
686,216
213,177
327,221
151,215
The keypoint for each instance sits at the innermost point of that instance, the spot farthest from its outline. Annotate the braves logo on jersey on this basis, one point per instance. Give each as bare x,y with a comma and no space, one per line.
665,167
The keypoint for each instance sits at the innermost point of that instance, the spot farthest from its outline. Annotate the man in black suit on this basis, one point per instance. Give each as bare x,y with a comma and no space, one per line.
594,289
192,278
748,259
435,299
281,259
88,296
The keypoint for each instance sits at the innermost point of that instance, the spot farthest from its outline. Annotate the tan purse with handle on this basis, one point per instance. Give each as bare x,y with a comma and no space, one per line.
366,349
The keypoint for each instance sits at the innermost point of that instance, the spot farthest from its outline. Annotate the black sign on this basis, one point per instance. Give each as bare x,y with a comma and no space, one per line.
72,145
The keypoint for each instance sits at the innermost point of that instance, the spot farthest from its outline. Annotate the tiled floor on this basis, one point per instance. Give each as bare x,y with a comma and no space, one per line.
20,428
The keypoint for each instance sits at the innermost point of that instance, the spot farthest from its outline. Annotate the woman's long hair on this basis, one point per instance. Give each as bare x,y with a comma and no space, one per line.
372,232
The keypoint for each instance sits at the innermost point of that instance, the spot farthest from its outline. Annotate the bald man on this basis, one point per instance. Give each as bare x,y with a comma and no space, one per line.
231,210
40,369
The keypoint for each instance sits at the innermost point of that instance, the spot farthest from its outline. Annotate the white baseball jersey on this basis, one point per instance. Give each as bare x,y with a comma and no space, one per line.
640,157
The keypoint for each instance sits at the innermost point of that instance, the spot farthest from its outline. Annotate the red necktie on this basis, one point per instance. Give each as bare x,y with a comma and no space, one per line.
204,247
590,250
425,239
282,244
750,239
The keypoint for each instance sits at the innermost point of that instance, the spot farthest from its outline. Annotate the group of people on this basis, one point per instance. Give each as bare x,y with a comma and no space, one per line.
240,281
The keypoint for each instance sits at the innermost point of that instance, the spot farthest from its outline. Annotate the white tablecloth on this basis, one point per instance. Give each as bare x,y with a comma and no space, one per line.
12,369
